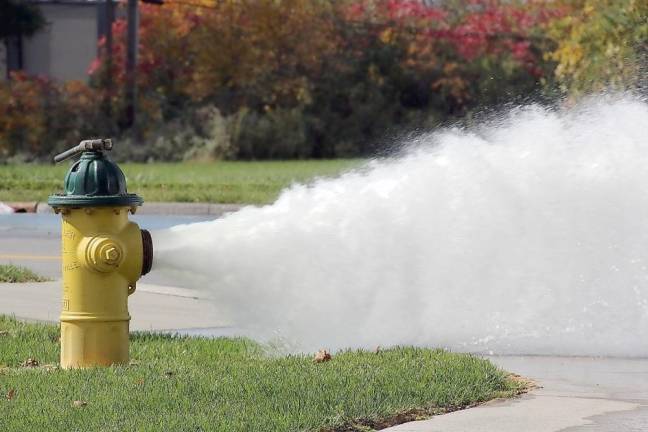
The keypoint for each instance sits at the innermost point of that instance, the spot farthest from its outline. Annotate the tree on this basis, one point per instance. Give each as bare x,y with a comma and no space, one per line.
332,78
601,44
17,18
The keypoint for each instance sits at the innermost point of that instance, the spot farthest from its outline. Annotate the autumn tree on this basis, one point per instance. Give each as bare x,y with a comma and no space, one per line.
18,18
601,44
318,78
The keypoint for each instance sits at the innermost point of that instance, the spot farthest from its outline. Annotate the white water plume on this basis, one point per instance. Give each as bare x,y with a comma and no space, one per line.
529,236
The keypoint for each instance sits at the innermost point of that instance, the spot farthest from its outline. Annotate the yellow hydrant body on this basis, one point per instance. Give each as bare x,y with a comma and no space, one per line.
103,256
102,260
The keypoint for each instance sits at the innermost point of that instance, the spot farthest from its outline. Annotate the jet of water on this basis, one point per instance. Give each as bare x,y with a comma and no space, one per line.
528,235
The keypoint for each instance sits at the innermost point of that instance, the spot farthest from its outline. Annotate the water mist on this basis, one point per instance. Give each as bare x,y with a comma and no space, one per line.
528,235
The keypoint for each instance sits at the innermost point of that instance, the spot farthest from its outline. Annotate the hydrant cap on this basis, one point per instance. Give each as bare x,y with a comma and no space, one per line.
94,180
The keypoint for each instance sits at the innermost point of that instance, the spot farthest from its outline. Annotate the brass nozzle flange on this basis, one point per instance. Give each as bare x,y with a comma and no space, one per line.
147,252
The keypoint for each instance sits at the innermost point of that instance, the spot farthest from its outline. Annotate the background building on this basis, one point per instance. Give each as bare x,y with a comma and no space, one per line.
62,50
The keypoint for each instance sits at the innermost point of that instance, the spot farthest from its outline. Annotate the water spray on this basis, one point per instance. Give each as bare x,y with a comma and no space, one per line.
526,236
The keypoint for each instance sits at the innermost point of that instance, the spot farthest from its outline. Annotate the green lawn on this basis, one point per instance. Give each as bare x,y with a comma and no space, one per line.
12,273
197,384
217,182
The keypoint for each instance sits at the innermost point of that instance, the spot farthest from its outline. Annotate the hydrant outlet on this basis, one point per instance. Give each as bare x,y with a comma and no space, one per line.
147,252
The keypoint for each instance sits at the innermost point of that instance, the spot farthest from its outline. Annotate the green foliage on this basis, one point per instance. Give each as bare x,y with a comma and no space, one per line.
285,129
16,274
601,44
181,383
202,134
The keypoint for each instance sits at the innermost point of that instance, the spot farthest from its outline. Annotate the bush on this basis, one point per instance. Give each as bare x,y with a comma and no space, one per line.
600,44
202,134
276,134
39,117
262,79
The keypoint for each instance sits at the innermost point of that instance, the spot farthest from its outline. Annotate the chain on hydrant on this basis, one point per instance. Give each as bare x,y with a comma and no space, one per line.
103,254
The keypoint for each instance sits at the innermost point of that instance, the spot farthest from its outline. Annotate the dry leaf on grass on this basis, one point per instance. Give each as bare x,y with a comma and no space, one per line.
4,332
30,362
79,404
527,384
11,393
322,356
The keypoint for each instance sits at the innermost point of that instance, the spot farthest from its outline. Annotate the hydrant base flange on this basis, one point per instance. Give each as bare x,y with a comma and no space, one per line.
93,343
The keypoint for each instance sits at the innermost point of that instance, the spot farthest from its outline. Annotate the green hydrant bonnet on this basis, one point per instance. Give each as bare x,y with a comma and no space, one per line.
94,180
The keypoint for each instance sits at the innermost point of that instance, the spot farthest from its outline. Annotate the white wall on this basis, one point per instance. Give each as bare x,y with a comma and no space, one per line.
67,46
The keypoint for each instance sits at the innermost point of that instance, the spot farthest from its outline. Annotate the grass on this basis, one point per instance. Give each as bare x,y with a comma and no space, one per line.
12,273
216,182
195,384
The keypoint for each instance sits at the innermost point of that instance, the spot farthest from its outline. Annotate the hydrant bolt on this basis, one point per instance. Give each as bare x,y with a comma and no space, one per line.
111,255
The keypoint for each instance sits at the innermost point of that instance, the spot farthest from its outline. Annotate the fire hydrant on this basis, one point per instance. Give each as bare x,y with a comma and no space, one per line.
103,256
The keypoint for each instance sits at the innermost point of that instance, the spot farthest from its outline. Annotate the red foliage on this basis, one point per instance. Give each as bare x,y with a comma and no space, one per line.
262,53
35,111
162,31
404,9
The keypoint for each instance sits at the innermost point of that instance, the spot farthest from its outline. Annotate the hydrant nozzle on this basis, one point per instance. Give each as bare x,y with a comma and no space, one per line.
103,256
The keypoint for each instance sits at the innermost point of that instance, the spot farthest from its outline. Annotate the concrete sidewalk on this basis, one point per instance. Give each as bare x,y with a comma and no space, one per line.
152,307
576,395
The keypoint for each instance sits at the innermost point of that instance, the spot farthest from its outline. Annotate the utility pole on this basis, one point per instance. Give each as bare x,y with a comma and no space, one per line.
131,65
108,48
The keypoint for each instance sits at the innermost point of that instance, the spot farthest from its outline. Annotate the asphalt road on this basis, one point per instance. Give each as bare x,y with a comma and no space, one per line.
34,241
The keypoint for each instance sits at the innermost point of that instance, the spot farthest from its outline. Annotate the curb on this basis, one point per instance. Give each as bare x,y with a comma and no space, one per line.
24,206
193,209
165,290
153,208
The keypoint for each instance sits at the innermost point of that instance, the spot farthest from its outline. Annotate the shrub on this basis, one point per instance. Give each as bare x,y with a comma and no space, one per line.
258,79
39,117
600,44
276,134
